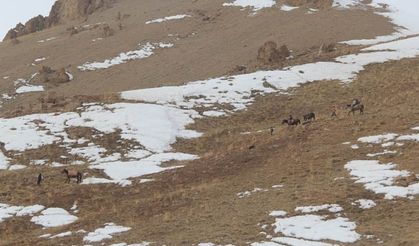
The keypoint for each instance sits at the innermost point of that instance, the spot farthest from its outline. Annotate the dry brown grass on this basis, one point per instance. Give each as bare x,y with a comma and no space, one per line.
206,47
198,203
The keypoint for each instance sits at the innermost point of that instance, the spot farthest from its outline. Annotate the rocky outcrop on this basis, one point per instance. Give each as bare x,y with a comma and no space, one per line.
69,10
406,181
270,54
63,11
33,25
15,32
48,75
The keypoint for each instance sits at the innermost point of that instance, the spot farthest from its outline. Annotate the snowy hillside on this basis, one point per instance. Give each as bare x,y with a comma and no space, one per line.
207,161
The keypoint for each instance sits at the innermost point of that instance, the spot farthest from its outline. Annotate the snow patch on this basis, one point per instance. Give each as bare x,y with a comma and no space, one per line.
7,211
333,208
255,5
4,161
380,178
105,232
377,139
54,217
316,227
401,13
365,203
385,152
168,18
244,194
63,234
120,170
40,59
70,76
278,213
238,91
144,51
29,88
288,8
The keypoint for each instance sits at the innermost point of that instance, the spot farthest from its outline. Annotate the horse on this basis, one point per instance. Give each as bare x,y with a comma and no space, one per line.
73,174
293,122
310,116
358,107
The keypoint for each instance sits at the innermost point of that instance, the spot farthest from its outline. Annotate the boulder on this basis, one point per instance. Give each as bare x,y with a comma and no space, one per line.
35,24
406,181
48,75
269,54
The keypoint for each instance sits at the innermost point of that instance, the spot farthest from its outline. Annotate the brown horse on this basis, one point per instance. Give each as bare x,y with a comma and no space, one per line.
293,122
358,107
73,174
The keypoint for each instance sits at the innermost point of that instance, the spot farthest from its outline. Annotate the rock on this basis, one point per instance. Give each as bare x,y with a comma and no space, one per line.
63,11
284,52
269,54
69,10
15,32
35,24
406,181
48,75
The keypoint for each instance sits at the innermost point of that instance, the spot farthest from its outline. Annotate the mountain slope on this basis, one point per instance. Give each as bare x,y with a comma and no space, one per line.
176,128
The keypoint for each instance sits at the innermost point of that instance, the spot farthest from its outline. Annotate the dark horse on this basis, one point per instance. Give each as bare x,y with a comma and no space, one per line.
73,174
293,122
357,107
309,116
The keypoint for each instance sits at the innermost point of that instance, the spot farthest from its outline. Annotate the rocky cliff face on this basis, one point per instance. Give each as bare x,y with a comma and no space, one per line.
61,12
33,25
69,10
